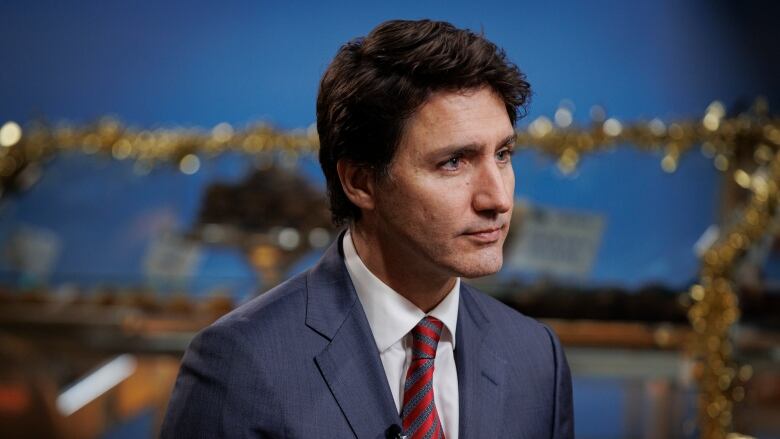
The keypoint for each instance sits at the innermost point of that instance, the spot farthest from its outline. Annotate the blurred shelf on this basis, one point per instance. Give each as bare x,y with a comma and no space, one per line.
108,329
121,328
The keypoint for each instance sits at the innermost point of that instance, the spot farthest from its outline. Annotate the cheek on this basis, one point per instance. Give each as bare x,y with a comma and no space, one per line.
435,205
444,205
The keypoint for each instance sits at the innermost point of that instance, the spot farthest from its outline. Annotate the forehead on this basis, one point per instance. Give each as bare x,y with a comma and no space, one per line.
474,116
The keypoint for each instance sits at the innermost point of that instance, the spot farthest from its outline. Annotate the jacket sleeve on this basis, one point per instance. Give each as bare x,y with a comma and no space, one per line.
563,417
213,396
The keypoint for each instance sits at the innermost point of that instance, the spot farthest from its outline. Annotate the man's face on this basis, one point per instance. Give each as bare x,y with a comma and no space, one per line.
446,203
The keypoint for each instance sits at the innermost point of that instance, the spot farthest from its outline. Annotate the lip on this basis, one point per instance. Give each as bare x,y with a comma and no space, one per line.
488,235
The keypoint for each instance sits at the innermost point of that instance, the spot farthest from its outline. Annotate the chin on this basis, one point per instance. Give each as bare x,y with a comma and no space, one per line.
484,265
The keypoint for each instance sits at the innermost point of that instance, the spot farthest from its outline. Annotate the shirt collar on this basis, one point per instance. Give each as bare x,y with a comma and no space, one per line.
390,315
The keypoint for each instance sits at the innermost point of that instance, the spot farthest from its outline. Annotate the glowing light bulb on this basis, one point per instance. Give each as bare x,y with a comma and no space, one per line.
10,134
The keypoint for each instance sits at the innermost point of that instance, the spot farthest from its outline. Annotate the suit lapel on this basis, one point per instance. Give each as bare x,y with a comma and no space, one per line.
481,372
350,363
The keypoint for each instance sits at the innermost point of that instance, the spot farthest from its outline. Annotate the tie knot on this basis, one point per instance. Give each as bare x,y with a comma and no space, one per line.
426,337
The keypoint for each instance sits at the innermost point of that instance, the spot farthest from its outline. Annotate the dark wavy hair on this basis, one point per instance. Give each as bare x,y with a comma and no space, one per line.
376,83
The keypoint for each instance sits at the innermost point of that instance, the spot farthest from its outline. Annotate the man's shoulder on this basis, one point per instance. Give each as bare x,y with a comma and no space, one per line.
508,320
277,309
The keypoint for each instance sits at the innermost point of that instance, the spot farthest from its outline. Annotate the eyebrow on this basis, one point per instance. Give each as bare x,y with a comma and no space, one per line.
473,147
509,139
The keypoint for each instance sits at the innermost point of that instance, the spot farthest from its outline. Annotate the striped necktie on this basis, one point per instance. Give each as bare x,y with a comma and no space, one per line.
419,414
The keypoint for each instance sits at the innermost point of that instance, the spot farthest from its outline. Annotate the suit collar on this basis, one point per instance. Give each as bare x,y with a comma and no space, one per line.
481,372
350,363
330,296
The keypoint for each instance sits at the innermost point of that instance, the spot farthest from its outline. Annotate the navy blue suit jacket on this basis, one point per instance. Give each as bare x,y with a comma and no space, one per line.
300,362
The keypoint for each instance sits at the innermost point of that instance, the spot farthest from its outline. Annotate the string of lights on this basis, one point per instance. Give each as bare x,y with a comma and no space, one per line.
717,136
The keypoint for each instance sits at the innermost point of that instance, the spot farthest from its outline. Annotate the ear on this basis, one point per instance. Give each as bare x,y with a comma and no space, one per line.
358,183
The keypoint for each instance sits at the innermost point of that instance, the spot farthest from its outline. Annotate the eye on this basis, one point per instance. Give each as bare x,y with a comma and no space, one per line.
504,155
452,163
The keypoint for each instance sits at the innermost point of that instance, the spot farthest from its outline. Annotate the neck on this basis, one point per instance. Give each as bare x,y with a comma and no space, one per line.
393,265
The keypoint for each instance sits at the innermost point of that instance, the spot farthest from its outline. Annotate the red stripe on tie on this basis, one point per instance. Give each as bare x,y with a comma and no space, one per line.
427,425
428,332
418,386
412,416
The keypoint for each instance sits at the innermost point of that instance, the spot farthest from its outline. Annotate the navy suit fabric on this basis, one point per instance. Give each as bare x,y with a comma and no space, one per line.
300,362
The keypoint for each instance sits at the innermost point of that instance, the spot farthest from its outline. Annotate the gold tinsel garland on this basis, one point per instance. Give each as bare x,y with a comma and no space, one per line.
727,140
715,306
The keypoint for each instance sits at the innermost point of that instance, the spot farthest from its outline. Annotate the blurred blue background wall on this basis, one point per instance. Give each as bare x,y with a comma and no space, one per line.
176,63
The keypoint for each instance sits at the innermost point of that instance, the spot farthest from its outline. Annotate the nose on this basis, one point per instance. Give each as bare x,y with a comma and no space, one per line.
494,189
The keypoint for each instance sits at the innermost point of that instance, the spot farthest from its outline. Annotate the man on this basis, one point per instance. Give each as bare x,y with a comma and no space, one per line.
381,338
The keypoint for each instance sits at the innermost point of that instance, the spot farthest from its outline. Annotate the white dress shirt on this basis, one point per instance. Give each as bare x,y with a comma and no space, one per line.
392,318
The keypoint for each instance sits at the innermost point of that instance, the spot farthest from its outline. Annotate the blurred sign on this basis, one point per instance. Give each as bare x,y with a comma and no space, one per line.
555,242
33,251
171,258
